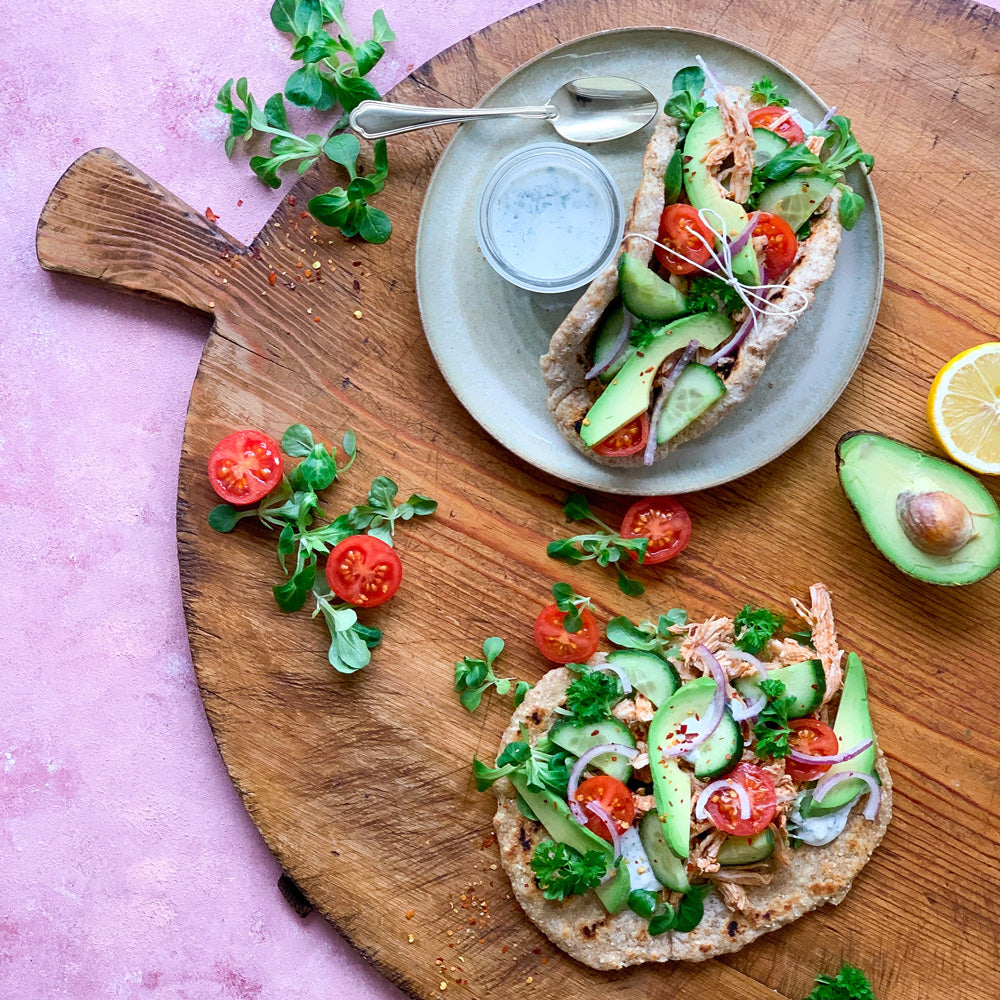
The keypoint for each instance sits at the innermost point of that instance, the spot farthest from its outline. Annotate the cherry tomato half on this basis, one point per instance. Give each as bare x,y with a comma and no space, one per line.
627,440
724,807
663,521
613,796
812,737
244,467
781,244
560,646
789,129
682,229
364,571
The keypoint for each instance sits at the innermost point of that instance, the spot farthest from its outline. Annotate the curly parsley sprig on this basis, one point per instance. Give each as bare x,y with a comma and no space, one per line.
474,677
332,75
591,696
850,983
606,547
754,627
771,729
561,870
764,91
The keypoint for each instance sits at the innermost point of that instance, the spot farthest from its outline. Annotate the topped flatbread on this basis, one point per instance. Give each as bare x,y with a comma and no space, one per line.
807,844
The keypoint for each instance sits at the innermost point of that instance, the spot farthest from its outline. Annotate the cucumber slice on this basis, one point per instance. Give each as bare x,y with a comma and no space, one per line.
608,330
769,144
650,674
747,850
646,294
721,751
795,198
805,682
694,392
578,738
667,867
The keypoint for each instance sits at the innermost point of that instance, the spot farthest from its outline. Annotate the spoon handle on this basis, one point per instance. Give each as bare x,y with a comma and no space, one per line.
374,120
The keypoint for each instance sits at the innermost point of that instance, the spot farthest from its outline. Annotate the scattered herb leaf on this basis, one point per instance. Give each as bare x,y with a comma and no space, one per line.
685,102
590,696
848,984
646,636
754,627
378,517
771,728
766,93
570,604
708,294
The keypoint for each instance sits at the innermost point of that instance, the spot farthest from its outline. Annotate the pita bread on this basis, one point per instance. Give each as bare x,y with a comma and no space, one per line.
581,926
565,366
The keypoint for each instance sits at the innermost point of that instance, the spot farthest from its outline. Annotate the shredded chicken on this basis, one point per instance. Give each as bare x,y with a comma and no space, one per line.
704,853
760,249
786,651
815,143
739,134
716,634
632,711
734,896
824,636
643,804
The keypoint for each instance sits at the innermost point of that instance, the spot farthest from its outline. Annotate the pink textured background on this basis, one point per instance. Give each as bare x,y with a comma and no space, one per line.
130,867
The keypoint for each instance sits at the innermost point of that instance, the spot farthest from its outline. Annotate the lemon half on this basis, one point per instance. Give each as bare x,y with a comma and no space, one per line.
963,408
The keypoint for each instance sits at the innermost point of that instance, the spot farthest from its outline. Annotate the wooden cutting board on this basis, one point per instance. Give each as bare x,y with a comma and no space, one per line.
361,785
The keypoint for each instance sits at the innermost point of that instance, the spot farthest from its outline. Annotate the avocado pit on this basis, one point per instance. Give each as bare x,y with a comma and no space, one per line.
936,522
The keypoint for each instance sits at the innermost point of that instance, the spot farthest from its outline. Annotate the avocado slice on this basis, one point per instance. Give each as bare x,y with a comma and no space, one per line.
671,785
628,394
614,893
853,725
668,869
703,192
555,816
914,508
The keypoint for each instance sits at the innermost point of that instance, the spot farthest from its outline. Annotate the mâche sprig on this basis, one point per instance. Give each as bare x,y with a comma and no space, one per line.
332,75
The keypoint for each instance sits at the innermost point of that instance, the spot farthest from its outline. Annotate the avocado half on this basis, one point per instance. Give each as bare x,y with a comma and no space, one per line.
886,480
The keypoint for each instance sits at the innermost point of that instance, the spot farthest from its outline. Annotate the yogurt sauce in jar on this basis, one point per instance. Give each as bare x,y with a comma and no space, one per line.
550,217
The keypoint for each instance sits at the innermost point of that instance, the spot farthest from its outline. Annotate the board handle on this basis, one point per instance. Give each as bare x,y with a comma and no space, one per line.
108,221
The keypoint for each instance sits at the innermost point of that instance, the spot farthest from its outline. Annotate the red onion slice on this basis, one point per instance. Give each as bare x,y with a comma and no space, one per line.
714,714
874,796
668,384
700,812
837,758
618,672
605,817
825,120
739,710
577,771
734,342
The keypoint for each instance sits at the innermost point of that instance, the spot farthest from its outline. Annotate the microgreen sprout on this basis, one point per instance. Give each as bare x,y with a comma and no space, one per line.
473,677
606,547
570,604
331,76
661,637
378,517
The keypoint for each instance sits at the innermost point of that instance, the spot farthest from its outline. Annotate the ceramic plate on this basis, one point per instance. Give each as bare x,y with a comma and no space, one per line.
487,335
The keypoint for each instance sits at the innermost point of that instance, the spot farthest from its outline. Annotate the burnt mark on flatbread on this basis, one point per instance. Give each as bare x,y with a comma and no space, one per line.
536,716
589,931
732,928
522,835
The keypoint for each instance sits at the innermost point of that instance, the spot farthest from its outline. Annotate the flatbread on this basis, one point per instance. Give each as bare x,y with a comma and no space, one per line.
565,365
581,926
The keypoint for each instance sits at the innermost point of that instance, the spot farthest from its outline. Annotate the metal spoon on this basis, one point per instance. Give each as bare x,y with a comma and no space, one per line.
593,109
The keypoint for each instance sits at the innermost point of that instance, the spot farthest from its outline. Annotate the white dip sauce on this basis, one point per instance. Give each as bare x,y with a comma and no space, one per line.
550,221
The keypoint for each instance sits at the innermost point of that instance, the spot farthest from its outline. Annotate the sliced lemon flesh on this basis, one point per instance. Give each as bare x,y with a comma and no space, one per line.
963,408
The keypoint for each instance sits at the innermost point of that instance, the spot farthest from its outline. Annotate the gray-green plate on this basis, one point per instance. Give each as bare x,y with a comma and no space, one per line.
487,335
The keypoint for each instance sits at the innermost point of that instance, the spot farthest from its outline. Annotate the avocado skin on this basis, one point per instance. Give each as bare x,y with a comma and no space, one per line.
890,467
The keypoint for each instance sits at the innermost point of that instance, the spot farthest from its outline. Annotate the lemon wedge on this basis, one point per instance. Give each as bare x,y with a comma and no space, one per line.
963,408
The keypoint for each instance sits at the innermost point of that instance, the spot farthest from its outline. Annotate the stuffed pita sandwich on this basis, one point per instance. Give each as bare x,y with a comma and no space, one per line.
668,804
735,224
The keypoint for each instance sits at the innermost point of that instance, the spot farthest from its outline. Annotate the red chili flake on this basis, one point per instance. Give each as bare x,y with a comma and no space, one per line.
503,950
292,200
357,285
472,921
210,215
536,951
239,204
355,263
272,278
316,319
409,913
304,215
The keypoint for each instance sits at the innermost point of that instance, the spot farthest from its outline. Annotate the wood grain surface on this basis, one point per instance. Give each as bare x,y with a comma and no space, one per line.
361,785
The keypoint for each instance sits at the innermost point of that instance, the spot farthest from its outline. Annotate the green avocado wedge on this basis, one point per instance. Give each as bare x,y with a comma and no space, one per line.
906,501
555,816
853,725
